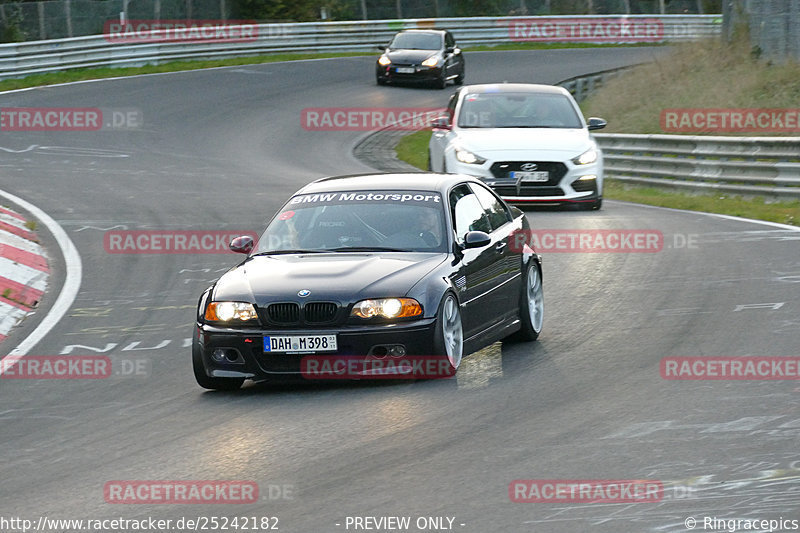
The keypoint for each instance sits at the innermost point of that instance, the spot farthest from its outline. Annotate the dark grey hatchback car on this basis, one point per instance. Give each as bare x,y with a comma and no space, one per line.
421,56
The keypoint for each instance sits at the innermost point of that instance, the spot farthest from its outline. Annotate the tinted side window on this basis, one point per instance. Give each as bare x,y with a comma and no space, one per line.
468,213
448,39
495,211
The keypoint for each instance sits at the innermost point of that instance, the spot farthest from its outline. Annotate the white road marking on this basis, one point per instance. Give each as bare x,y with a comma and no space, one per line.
717,215
118,226
771,306
12,151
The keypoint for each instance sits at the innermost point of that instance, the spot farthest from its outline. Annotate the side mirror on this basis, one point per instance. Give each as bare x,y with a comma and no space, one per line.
242,245
476,239
381,47
449,49
441,123
596,123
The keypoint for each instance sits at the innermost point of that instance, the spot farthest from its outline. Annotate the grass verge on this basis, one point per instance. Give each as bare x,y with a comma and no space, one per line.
704,74
784,212
413,149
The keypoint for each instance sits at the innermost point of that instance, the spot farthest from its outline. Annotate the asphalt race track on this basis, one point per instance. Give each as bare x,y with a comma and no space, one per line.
221,150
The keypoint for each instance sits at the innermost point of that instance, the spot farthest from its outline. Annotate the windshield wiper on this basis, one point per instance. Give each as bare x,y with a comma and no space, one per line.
280,252
368,249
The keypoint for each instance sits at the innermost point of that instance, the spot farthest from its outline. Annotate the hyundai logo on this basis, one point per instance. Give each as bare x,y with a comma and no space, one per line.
304,293
528,166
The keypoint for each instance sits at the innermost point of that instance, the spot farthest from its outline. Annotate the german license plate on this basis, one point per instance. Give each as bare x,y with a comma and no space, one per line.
405,70
300,343
537,176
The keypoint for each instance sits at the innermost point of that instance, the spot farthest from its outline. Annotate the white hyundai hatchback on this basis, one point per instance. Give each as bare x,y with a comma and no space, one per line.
530,143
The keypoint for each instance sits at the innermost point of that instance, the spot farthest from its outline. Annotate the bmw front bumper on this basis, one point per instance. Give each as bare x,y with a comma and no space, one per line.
247,358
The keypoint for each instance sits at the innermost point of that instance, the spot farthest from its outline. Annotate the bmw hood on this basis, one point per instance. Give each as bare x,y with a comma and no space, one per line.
342,277
569,142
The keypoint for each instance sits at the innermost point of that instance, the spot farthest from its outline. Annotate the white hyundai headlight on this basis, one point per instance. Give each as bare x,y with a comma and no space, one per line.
431,62
384,60
465,156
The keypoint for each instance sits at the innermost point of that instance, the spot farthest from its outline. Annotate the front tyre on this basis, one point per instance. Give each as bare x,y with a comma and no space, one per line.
449,341
203,379
531,305
459,80
441,82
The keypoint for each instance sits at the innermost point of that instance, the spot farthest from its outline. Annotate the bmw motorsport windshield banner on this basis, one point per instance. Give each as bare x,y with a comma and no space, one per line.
389,197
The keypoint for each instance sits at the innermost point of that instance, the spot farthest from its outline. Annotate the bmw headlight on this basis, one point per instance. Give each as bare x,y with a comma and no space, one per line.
387,308
465,156
384,60
431,62
231,312
586,158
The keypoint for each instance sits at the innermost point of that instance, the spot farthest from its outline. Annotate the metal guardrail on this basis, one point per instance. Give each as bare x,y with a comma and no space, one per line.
582,86
761,166
21,59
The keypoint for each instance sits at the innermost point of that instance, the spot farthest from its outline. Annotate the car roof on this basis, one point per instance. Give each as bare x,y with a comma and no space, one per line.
423,31
513,88
410,181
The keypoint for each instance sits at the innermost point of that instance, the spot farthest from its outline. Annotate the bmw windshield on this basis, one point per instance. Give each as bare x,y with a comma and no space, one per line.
410,221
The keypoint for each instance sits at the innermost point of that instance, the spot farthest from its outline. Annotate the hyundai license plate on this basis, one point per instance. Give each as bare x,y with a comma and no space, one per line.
536,176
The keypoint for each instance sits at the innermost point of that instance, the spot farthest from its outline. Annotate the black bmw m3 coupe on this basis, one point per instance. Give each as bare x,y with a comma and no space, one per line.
371,276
